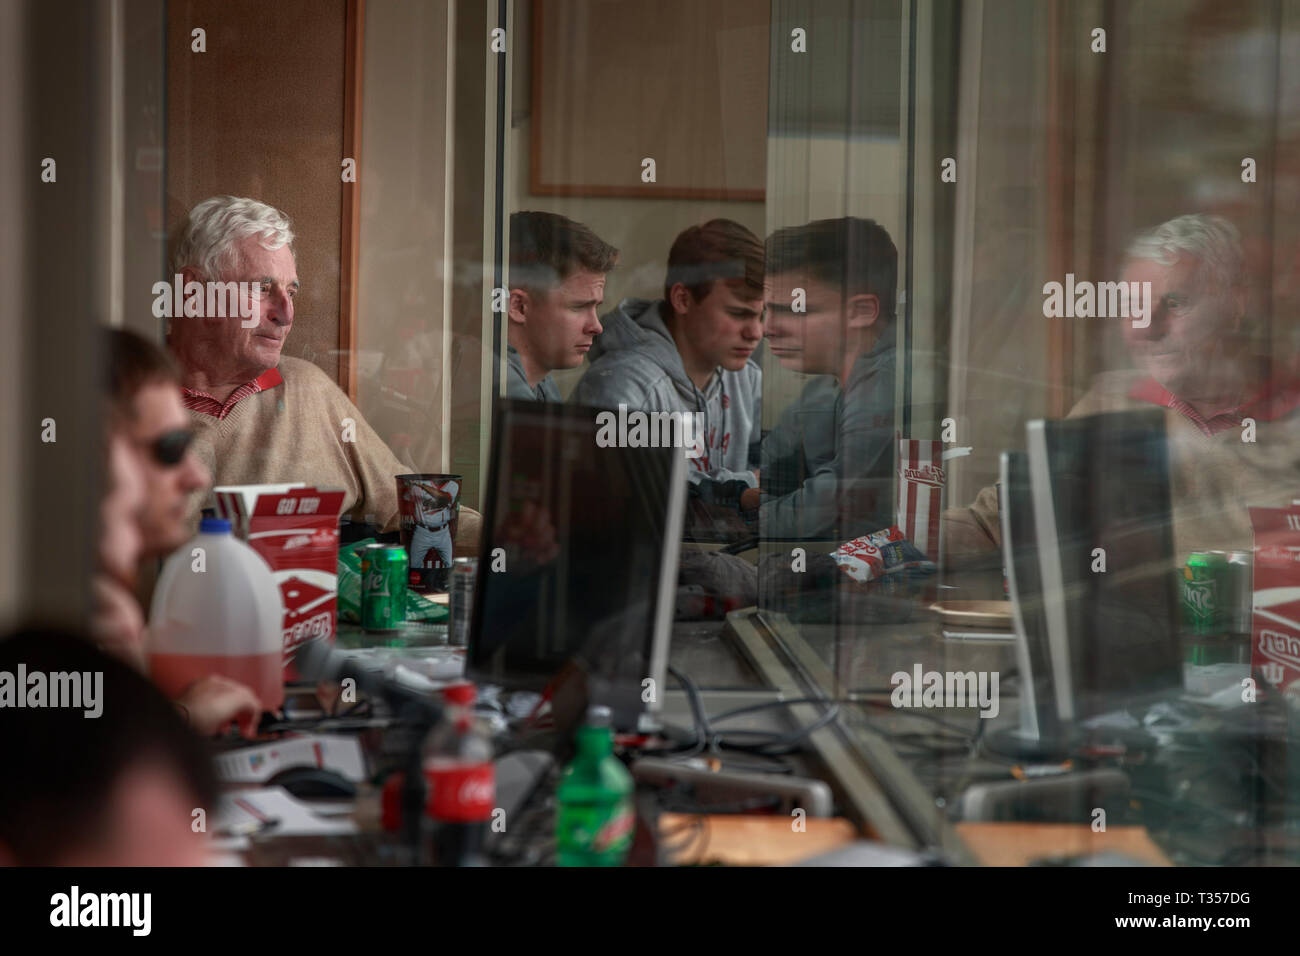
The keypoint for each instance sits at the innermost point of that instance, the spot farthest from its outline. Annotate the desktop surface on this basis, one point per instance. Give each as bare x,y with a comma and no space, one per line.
1211,785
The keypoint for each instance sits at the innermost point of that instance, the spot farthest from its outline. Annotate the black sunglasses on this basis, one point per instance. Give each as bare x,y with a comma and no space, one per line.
170,447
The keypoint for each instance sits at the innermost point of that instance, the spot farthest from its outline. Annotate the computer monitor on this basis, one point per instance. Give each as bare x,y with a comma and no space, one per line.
1104,531
578,571
1088,550
1039,731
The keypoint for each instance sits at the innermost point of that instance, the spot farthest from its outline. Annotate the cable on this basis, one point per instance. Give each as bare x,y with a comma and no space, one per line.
770,743
702,731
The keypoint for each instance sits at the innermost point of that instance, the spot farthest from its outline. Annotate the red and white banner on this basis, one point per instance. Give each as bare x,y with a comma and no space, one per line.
1275,621
296,531
922,490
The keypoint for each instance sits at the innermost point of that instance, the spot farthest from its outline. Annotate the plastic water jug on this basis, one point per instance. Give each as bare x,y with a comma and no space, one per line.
217,610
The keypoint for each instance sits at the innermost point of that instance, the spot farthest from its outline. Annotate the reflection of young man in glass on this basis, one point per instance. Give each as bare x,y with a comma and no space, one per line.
557,282
828,464
434,509
691,351
1194,359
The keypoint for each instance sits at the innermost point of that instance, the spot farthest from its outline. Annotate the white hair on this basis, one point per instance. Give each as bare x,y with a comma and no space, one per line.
1211,239
206,240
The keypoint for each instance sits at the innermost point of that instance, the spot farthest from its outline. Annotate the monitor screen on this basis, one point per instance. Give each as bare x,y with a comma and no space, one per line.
578,569
1103,523
1024,588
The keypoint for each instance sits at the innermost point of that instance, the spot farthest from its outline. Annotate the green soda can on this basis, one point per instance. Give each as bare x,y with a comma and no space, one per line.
383,587
1203,592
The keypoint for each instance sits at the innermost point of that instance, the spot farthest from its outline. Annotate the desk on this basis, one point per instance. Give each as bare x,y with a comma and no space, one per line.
1224,796
1019,844
700,649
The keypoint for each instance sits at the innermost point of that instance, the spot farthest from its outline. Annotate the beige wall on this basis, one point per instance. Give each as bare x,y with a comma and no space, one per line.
642,229
808,177
402,268
260,114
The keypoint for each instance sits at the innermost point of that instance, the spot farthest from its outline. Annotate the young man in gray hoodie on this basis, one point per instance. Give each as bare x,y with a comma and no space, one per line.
828,465
692,352
557,283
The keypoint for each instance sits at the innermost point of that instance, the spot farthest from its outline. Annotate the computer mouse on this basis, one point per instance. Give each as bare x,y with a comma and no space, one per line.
308,783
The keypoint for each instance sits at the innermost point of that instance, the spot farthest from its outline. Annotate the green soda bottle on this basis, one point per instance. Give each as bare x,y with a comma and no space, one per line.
595,819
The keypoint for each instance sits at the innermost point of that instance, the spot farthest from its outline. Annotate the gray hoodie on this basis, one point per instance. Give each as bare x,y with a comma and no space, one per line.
634,362
517,382
828,465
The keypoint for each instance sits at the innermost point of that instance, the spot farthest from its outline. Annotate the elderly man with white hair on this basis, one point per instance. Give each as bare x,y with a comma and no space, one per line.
260,416
1231,415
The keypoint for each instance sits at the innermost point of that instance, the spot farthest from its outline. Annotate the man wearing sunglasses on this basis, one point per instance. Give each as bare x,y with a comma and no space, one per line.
152,476
148,414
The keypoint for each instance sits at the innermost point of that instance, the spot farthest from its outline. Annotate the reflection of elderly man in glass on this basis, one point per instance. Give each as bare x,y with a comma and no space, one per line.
1192,347
1232,417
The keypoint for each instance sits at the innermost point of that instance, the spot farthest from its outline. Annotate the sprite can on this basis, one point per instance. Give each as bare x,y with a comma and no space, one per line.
383,587
1202,593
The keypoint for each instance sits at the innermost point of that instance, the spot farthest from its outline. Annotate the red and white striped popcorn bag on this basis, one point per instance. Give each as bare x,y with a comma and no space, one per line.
922,492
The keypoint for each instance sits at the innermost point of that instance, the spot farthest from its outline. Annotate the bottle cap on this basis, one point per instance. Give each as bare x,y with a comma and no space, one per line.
462,694
599,716
214,526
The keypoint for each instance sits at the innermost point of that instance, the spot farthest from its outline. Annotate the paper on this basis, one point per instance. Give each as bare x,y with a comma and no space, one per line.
336,752
273,811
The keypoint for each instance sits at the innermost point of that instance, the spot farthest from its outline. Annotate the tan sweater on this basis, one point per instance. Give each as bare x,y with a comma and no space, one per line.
1213,480
295,432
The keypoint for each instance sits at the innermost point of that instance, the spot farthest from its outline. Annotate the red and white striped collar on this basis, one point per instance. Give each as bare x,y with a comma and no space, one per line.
197,401
1277,399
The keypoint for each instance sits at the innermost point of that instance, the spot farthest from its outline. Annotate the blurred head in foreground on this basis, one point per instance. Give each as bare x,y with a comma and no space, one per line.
117,789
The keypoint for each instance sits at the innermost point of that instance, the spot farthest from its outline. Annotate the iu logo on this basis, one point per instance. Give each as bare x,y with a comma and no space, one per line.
1273,672
930,474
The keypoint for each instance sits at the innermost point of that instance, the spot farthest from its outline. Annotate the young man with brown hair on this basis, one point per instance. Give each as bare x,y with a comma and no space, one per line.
557,282
692,351
828,465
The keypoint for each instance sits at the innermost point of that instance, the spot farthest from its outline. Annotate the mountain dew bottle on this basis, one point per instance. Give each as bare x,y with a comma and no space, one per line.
594,820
